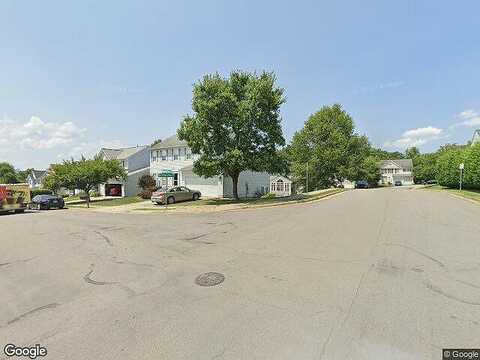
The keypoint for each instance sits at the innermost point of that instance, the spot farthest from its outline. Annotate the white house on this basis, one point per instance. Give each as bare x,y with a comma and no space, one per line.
35,178
135,160
280,185
476,137
171,164
396,170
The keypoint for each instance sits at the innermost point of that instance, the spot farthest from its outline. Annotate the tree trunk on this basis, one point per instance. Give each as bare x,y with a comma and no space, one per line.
235,185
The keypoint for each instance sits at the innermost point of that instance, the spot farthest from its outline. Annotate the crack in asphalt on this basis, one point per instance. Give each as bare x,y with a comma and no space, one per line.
18,261
104,237
439,291
28,313
436,261
89,280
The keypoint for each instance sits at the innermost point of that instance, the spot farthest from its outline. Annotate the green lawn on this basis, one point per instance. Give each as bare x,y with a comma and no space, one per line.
255,201
469,194
112,202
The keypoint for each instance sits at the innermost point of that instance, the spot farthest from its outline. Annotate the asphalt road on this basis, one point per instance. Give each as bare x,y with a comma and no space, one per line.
367,274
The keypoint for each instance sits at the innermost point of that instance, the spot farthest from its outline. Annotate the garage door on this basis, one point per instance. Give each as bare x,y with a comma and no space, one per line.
210,187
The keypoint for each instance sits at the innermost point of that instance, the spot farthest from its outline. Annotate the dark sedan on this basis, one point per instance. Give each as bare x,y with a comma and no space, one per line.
47,202
362,184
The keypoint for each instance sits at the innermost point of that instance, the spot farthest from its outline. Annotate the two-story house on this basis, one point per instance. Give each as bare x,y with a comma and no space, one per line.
35,178
135,160
171,164
396,170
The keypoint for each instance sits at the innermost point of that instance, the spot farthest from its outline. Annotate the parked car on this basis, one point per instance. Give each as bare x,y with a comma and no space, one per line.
398,183
175,194
429,182
47,202
362,184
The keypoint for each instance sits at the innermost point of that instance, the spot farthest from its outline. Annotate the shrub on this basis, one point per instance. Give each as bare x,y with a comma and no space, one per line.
146,182
36,192
472,167
145,194
447,166
269,195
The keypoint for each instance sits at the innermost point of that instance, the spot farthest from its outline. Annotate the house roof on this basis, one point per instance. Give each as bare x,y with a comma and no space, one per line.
278,177
38,174
121,153
170,142
402,163
476,136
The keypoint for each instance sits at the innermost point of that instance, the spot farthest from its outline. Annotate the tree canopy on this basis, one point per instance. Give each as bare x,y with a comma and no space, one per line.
236,125
8,175
83,174
329,148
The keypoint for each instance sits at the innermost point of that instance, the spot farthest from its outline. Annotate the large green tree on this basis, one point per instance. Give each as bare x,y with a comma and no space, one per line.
84,174
236,125
425,167
447,169
472,167
328,148
8,175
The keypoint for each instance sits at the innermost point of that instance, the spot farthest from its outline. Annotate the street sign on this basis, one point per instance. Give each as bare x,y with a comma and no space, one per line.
462,166
166,173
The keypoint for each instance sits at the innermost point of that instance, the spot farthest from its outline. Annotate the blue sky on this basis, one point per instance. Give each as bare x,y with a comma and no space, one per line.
85,74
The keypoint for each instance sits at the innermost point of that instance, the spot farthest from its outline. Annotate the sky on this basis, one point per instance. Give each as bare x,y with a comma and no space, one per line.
76,76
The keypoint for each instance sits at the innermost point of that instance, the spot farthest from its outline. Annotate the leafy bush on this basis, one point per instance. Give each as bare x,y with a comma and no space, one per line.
269,195
448,162
472,167
145,194
146,182
36,192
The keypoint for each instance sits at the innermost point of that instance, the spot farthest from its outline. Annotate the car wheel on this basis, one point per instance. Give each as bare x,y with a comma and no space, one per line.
171,200
195,197
158,203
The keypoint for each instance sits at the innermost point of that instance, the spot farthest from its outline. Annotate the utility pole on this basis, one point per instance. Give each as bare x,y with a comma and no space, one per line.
307,177
461,167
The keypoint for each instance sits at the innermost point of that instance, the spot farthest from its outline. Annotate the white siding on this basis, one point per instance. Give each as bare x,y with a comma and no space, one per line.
249,183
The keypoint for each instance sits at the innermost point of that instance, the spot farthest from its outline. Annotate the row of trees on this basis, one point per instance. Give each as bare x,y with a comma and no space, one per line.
236,126
443,165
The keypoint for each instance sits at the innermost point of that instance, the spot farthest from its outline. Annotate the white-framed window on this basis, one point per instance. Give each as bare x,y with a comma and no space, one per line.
280,185
176,154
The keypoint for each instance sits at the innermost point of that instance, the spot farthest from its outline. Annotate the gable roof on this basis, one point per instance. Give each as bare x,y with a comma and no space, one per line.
38,174
402,163
476,136
172,141
121,153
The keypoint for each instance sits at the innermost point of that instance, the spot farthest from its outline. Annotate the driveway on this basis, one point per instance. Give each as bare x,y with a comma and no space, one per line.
367,274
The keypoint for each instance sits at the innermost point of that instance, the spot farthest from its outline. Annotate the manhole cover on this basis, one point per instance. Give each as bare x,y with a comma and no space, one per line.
209,279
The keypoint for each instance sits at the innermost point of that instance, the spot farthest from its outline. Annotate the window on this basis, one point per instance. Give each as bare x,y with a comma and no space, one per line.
175,179
175,154
279,185
164,155
273,187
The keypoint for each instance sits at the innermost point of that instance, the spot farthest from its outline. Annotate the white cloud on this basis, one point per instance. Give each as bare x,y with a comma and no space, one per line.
416,137
37,134
470,118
